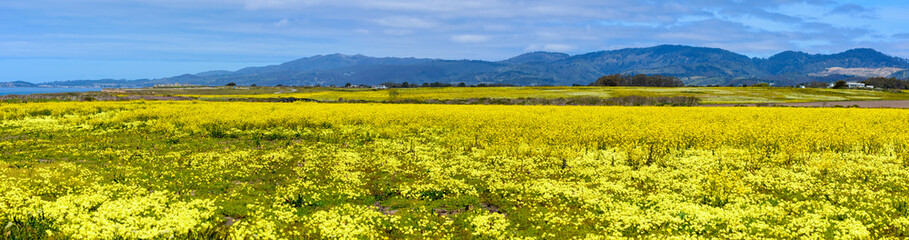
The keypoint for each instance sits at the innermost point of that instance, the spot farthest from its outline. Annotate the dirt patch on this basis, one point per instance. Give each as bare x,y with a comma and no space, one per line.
384,210
861,104
443,211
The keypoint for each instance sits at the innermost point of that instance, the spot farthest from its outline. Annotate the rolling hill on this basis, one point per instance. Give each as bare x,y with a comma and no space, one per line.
16,84
694,65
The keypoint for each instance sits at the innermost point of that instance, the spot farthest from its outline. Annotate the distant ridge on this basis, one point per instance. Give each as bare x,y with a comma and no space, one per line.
537,57
17,84
694,65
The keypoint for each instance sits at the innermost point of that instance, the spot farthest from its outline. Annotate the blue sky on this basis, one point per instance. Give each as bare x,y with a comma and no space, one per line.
49,40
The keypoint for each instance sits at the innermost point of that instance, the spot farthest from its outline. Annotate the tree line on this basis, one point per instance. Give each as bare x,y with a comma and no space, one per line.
877,82
888,83
639,80
439,84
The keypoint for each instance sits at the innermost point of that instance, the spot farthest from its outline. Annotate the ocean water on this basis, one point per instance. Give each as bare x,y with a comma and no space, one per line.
23,91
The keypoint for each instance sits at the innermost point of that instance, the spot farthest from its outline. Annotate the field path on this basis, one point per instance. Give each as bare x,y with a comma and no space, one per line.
863,104
291,90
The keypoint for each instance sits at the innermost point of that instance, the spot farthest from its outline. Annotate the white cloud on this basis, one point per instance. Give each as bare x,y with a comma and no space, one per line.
405,22
497,27
689,36
429,5
398,32
277,4
252,28
550,47
16,48
469,38
283,23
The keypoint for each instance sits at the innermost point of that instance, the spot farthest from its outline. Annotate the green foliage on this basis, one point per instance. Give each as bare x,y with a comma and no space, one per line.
816,84
30,227
393,94
840,85
639,80
887,83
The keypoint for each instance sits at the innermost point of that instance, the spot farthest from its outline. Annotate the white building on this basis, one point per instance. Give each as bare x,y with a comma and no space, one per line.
855,85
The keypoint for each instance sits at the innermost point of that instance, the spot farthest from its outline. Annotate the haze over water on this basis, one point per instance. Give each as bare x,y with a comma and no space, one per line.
26,90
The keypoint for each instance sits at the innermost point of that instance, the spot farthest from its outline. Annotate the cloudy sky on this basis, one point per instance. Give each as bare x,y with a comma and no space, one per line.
48,40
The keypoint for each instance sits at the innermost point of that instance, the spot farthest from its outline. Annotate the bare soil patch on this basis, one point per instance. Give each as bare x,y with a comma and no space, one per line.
861,104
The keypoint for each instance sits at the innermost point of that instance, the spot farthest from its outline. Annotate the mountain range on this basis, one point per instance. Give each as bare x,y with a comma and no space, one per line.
693,65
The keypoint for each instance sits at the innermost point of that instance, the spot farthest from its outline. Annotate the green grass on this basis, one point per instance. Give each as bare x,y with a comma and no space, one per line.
215,90
708,95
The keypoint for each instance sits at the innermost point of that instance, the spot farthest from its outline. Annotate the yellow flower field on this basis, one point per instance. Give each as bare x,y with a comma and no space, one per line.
238,170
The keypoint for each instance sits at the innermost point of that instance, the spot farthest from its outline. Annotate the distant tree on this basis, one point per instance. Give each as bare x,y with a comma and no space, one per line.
760,85
888,83
609,80
436,84
462,84
816,84
279,85
231,85
840,84
347,85
253,85
640,80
